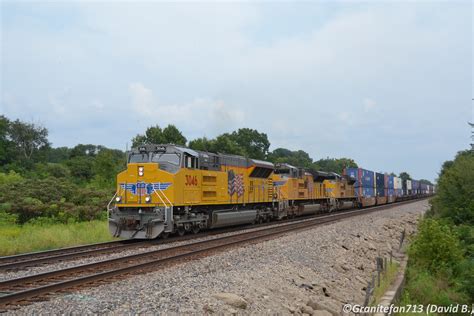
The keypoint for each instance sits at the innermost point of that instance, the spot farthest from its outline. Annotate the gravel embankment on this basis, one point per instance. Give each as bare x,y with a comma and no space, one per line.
313,271
47,267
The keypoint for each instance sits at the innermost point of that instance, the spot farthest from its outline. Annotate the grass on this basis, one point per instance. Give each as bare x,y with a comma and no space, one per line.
386,279
16,239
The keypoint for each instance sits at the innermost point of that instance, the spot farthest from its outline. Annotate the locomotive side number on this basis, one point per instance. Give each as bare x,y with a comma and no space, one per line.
191,180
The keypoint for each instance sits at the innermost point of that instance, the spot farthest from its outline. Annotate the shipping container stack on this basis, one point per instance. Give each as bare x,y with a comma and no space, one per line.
398,187
408,185
390,188
423,188
380,188
415,187
364,185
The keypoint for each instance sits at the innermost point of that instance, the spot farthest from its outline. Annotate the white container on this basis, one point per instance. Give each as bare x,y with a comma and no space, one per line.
397,183
408,184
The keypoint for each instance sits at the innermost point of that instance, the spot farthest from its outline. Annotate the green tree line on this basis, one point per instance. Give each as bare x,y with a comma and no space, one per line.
441,257
75,184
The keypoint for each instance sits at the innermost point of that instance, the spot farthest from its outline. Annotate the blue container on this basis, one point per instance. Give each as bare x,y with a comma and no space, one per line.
391,192
364,178
415,186
364,192
390,182
379,180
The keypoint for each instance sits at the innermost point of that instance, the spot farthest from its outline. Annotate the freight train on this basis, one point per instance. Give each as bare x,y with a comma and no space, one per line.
169,189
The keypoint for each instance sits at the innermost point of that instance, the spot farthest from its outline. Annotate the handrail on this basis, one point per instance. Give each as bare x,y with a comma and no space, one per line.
164,195
110,202
159,196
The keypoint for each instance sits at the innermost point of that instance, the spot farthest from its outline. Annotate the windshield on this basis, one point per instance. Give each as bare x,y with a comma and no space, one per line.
138,157
169,162
169,158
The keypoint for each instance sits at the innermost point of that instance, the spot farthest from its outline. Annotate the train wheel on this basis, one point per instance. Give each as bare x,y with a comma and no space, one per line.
181,231
195,229
164,235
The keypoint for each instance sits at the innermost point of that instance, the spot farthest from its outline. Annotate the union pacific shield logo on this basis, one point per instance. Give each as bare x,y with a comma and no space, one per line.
142,188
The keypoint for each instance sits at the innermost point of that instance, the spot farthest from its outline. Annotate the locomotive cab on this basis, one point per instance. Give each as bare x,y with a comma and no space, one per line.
142,206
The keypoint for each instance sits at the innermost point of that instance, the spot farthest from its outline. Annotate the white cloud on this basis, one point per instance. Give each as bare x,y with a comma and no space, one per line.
211,68
369,104
201,115
142,99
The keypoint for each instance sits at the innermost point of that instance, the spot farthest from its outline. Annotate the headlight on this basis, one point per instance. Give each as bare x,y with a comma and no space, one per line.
118,199
147,199
140,171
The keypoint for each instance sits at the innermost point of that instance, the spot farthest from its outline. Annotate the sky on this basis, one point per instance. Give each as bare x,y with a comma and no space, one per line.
386,83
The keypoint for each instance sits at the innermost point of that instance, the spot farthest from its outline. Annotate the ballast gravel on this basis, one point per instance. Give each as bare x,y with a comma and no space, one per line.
117,253
314,272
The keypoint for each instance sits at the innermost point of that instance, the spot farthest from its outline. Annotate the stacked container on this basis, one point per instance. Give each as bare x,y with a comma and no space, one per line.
364,186
424,188
415,187
380,188
408,188
397,185
390,188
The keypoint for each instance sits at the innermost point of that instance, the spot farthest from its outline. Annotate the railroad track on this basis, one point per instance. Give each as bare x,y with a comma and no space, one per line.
27,289
17,262
22,261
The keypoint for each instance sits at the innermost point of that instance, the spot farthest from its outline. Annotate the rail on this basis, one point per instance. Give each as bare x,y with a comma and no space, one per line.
32,287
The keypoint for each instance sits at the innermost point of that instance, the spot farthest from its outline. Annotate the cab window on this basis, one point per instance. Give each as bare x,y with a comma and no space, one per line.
190,162
169,162
138,157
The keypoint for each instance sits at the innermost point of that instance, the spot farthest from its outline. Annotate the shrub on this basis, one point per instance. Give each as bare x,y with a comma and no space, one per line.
10,178
436,247
53,198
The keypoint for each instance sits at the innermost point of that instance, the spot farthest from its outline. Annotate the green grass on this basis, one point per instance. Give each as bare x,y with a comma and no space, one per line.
386,279
15,239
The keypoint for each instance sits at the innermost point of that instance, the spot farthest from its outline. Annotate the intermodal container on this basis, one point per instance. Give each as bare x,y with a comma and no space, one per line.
415,186
407,187
364,192
380,189
379,180
391,182
397,183
364,178
423,188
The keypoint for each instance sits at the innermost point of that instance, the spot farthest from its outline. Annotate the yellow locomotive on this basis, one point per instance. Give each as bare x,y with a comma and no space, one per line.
172,189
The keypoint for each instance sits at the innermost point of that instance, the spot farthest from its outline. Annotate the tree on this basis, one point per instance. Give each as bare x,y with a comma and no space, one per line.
82,167
155,135
173,135
203,144
455,191
254,144
404,176
6,146
82,150
106,167
59,154
298,158
27,137
334,164
226,144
